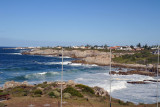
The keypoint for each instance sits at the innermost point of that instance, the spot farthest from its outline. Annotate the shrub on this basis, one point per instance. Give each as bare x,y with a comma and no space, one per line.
51,94
85,88
72,91
66,95
42,85
2,105
38,91
129,103
37,95
3,93
19,91
56,94
53,84
122,103
45,82
141,103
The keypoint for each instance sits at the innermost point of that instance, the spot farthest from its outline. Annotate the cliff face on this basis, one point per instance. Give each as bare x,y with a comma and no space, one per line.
88,56
99,60
70,53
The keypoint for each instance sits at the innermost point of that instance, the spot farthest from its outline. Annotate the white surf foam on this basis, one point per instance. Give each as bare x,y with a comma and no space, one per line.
76,64
63,57
16,53
80,64
12,53
54,63
119,82
42,73
66,63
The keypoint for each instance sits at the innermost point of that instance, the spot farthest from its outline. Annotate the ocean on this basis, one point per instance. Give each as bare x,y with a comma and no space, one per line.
37,69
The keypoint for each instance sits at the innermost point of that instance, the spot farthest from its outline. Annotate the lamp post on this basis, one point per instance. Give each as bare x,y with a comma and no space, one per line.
62,78
157,74
110,75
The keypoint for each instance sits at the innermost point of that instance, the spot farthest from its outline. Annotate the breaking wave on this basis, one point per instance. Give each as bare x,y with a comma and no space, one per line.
118,82
12,53
65,63
41,75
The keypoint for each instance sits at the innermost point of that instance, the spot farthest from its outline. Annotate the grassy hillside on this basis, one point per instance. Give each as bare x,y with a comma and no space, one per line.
73,96
141,57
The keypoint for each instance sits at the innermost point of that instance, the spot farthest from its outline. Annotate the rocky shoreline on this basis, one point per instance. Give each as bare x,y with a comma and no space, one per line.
85,56
146,73
93,57
12,84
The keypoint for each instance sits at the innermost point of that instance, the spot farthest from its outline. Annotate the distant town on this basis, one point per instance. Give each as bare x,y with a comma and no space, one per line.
138,47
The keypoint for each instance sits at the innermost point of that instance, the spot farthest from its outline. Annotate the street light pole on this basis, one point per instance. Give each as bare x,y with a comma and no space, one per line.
157,75
110,75
62,78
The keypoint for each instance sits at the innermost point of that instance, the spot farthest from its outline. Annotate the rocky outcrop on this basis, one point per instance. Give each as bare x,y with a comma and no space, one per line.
11,84
99,59
87,57
146,73
70,53
71,83
152,80
100,91
143,82
137,82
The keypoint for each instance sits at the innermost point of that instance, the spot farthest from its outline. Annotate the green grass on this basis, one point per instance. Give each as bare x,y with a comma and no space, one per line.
85,88
72,91
141,57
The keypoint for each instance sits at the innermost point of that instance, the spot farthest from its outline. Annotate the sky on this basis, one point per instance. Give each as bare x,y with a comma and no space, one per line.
79,22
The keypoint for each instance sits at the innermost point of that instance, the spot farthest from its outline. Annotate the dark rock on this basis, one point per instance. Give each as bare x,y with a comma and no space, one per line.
137,82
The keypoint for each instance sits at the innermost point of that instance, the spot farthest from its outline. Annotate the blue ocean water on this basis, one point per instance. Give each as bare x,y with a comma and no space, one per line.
37,69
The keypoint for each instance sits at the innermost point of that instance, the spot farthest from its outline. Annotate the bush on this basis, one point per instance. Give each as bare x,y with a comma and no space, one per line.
85,88
54,84
66,95
141,103
54,94
37,95
122,103
45,82
38,91
42,85
72,91
51,94
19,91
3,93
2,105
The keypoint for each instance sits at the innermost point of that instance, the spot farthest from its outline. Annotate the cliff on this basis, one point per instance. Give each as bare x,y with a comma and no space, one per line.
87,57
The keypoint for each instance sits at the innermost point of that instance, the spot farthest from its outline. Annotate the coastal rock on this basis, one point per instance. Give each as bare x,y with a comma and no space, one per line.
152,80
71,83
137,82
11,84
40,88
100,91
88,57
146,73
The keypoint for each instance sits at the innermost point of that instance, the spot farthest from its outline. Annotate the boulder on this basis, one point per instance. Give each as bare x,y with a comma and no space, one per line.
11,84
100,91
71,83
137,82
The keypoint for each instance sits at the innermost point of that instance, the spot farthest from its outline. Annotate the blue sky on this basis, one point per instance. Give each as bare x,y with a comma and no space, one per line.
78,22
